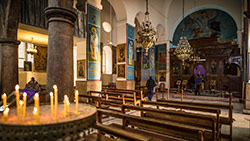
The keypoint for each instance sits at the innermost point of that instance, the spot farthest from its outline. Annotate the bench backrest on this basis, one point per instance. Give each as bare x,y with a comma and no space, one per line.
163,127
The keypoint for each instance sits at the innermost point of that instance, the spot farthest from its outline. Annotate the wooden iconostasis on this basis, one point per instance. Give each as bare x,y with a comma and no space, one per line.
214,67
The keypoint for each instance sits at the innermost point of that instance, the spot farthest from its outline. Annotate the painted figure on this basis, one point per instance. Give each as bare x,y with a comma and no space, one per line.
130,53
93,44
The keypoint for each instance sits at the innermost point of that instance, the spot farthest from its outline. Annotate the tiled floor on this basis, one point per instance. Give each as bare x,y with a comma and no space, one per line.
241,127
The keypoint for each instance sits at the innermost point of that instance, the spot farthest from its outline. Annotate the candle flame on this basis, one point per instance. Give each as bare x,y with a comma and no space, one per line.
24,94
21,102
35,110
17,87
77,92
6,111
4,95
55,87
51,94
37,95
65,97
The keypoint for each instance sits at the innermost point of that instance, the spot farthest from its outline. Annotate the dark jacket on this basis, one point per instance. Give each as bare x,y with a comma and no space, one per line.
150,83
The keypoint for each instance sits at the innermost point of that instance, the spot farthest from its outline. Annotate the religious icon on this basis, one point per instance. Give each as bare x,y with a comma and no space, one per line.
121,52
81,68
213,67
93,44
130,62
27,66
152,58
121,71
162,76
176,69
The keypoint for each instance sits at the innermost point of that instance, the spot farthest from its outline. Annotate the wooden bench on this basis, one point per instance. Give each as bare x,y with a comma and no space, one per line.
216,112
125,98
138,94
223,120
118,132
192,119
166,129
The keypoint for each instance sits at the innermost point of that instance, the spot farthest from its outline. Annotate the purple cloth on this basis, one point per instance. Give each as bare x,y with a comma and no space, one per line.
200,69
30,93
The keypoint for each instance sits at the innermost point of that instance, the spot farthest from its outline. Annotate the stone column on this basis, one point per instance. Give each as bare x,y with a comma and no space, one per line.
60,47
9,64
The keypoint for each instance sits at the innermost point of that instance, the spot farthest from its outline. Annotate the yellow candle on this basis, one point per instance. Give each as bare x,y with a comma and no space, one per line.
4,98
65,105
36,115
17,99
36,99
24,104
68,109
56,101
76,100
5,114
51,103
21,108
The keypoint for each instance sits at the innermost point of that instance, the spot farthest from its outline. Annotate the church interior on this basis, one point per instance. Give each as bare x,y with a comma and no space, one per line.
142,70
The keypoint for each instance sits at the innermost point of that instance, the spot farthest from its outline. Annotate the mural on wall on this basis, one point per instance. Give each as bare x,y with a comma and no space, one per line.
40,59
148,64
94,50
81,68
130,52
152,61
121,71
121,53
162,57
207,23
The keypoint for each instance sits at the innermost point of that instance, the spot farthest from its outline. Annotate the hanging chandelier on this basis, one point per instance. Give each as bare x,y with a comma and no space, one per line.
183,50
32,49
146,33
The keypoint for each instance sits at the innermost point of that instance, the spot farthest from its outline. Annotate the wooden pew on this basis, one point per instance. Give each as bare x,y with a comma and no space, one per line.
193,119
210,110
124,98
166,129
138,94
118,132
223,120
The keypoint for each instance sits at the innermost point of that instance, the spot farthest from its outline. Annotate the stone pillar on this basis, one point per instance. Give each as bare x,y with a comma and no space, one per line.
61,20
9,64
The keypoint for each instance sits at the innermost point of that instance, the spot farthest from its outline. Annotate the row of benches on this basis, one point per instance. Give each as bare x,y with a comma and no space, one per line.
178,124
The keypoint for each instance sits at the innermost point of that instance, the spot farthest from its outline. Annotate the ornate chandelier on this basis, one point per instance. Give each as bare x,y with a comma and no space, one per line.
183,50
32,49
146,33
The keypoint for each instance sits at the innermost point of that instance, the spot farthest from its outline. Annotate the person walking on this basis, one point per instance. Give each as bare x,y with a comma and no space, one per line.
192,82
198,83
150,85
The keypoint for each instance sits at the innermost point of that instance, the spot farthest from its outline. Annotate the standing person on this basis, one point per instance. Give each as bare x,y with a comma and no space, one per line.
198,82
150,85
192,82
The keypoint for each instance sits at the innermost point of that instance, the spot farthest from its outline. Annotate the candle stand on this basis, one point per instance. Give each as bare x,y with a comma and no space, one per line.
47,128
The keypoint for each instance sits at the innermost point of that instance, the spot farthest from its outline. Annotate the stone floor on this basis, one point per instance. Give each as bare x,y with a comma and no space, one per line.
241,126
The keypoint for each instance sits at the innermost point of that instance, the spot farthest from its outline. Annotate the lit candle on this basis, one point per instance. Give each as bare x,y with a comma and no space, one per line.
76,100
65,105
68,110
36,115
51,103
21,108
24,104
36,99
56,101
4,98
17,99
5,114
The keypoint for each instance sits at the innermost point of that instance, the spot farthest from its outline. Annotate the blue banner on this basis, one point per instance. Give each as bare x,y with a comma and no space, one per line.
130,52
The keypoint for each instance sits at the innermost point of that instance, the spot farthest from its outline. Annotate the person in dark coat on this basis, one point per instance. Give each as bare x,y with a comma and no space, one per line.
150,85
198,82
192,82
